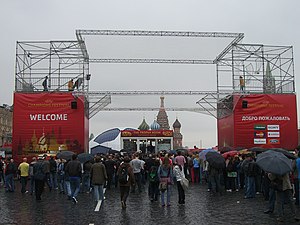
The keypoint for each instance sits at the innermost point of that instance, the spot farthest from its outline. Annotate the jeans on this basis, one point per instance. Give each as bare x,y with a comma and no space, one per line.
61,183
250,191
196,174
53,179
48,182
181,195
2,176
68,188
272,199
9,182
297,191
86,180
215,183
168,195
285,197
98,192
138,181
23,184
75,186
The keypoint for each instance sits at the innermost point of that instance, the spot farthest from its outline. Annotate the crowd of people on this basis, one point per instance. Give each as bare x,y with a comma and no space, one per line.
158,173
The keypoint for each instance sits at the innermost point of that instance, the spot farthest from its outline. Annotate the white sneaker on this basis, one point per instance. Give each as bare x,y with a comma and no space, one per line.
74,200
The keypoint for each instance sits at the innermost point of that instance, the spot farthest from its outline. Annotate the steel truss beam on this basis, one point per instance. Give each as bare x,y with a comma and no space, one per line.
79,33
101,93
169,61
99,100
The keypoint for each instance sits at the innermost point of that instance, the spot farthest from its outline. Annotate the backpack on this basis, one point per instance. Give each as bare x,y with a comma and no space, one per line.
123,176
153,174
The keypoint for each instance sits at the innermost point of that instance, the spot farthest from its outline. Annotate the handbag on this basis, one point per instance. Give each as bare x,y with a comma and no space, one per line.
163,186
184,183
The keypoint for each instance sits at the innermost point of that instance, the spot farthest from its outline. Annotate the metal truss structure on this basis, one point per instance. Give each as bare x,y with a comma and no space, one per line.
264,69
60,61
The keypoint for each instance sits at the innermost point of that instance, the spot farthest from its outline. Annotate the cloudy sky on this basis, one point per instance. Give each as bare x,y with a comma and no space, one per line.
270,22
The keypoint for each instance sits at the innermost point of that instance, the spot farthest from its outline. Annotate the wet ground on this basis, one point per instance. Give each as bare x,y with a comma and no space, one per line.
200,208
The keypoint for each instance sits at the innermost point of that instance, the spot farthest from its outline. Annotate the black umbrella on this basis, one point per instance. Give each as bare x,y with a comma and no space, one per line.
64,155
215,159
274,162
84,157
257,149
285,152
225,149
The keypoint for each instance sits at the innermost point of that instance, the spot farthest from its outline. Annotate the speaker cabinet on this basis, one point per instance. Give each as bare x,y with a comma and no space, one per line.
73,105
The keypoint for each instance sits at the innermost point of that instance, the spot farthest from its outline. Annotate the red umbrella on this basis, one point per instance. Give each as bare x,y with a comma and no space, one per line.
230,154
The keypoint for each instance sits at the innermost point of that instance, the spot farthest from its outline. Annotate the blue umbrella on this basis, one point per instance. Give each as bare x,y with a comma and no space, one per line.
202,154
274,162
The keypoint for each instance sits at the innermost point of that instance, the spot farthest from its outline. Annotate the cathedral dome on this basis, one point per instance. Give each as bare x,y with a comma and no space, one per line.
176,124
155,125
144,125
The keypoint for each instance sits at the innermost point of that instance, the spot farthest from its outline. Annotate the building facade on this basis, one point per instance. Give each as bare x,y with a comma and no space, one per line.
6,114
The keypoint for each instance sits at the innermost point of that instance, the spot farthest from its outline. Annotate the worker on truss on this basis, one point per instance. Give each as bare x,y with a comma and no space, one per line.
45,84
70,85
242,83
78,83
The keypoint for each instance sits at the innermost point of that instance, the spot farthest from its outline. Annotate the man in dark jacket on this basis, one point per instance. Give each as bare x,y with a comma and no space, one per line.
86,177
110,166
74,170
39,174
125,187
10,172
98,176
53,172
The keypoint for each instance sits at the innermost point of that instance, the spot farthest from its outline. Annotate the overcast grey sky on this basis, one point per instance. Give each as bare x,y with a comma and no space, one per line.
271,22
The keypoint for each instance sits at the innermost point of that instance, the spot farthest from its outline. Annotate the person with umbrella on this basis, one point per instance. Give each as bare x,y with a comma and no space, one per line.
214,175
278,167
284,195
216,164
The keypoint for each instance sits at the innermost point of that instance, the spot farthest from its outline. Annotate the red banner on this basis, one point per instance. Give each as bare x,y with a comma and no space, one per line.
226,132
48,122
263,120
146,133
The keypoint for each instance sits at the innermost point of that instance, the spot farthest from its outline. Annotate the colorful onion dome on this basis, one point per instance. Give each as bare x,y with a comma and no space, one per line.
144,125
155,125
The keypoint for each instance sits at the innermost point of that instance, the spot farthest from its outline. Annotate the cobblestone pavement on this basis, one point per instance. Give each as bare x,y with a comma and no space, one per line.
200,208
